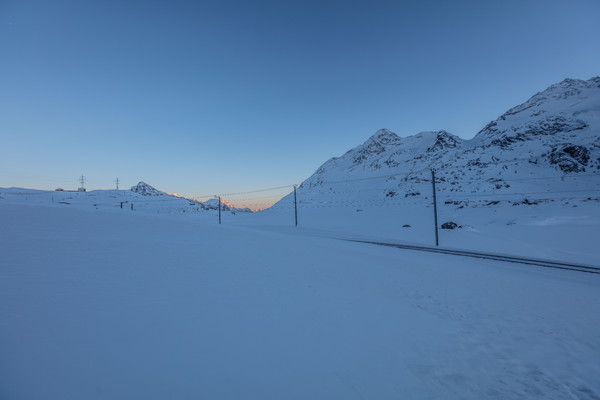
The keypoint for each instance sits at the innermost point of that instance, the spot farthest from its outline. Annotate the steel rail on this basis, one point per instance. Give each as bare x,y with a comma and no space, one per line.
491,256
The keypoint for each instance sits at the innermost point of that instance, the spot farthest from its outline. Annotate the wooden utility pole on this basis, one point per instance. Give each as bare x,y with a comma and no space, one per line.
437,242
295,206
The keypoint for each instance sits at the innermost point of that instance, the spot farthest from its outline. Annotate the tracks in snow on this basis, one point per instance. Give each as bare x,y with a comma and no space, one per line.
491,256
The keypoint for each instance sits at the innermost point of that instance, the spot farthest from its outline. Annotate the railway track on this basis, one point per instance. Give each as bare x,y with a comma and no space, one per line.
491,256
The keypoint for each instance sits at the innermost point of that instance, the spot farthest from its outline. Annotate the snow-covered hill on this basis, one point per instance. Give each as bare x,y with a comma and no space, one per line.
141,198
546,149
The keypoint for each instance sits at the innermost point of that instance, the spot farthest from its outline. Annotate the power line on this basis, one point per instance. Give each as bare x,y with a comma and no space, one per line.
247,192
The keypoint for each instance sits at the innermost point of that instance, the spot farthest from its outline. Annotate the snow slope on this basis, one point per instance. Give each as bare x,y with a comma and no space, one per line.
529,182
143,197
551,230
549,144
99,303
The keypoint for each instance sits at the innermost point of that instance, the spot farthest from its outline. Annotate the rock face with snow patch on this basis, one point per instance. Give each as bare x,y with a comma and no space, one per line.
144,189
570,158
549,144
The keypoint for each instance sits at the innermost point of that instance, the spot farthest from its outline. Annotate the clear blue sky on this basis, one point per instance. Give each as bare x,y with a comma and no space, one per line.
202,97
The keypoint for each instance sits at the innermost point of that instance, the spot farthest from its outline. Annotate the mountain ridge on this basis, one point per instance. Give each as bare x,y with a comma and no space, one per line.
554,135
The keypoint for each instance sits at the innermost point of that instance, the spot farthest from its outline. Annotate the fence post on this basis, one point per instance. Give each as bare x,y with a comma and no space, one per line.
295,206
435,219
219,210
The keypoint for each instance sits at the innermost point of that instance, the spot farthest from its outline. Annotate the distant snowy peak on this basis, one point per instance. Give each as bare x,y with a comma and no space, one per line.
444,140
387,143
383,151
144,189
213,204
384,137
561,110
379,143
559,91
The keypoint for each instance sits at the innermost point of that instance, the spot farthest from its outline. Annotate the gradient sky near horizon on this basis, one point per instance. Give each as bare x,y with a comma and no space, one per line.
207,97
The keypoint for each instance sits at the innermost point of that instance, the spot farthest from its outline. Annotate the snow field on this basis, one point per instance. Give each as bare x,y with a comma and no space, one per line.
546,230
97,304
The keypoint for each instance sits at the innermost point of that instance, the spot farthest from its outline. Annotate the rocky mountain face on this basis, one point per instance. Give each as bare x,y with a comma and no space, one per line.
563,120
144,189
547,148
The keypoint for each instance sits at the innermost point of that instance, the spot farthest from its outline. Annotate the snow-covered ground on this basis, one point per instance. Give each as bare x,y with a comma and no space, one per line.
102,302
564,229
567,232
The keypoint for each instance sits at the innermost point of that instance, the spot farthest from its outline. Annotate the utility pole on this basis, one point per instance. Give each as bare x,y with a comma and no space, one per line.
295,206
117,182
82,183
437,242
219,210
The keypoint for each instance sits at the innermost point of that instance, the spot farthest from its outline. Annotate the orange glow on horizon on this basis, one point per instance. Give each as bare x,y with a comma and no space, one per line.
258,203
252,203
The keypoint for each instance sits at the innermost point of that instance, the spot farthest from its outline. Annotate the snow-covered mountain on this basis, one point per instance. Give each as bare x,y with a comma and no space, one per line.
547,148
144,189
